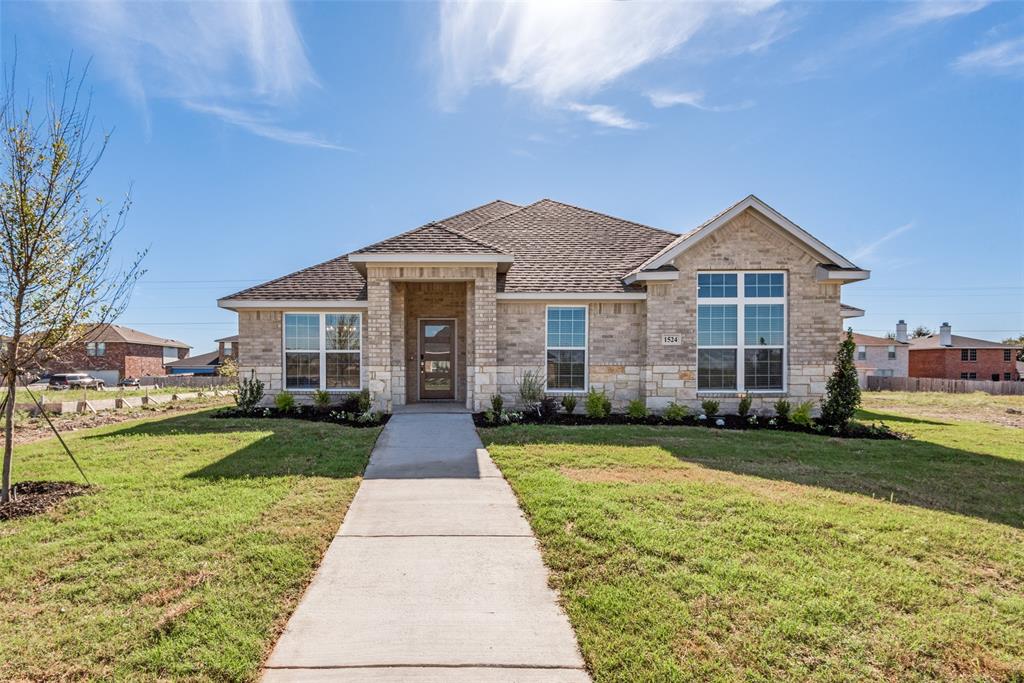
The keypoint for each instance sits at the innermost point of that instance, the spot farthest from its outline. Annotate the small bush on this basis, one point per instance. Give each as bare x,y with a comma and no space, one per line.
250,393
842,393
363,401
547,408
229,368
285,402
497,404
782,409
569,403
676,412
531,389
597,404
637,410
321,398
744,408
490,416
710,407
802,414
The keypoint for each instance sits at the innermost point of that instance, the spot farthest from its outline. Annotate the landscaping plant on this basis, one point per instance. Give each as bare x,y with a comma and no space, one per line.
569,403
710,407
744,407
321,398
285,402
802,415
597,405
363,400
531,390
250,393
782,408
842,392
497,404
637,410
676,412
547,408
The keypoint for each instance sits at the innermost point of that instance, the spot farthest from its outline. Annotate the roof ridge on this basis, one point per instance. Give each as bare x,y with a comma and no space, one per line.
498,218
477,208
464,236
287,275
608,215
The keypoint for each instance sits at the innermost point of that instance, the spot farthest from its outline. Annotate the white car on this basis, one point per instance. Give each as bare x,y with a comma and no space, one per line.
75,380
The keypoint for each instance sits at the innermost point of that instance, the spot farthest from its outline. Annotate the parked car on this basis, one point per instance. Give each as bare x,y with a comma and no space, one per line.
129,382
75,380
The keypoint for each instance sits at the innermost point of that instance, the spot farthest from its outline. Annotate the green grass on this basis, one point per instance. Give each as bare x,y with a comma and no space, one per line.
697,554
187,560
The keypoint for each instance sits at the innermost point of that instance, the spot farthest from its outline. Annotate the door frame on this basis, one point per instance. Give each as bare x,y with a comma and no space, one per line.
455,358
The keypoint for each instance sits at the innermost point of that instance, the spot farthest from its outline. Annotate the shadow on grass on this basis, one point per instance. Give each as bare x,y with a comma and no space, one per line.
917,472
288,448
871,416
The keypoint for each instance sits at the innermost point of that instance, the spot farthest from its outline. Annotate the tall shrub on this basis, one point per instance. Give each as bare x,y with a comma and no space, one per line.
842,393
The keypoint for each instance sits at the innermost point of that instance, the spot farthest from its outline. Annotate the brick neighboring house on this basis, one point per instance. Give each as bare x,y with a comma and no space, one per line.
950,356
112,352
461,308
881,356
206,363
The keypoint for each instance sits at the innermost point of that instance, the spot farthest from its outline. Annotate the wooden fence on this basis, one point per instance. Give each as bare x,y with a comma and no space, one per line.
947,386
189,381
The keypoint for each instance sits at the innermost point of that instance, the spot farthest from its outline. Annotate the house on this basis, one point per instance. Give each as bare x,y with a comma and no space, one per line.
206,363
113,352
950,356
461,308
882,356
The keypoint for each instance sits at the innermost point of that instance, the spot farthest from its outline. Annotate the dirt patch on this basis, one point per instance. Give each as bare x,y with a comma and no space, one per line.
766,488
35,497
1006,411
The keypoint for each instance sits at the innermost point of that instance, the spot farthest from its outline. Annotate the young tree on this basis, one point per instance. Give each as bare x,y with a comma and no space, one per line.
56,279
920,331
842,391
229,368
1019,343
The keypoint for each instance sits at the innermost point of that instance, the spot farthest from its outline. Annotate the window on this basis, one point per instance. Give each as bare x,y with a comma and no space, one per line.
567,348
884,373
96,349
170,354
862,353
1007,355
1007,377
322,351
968,375
741,335
892,352
227,349
968,355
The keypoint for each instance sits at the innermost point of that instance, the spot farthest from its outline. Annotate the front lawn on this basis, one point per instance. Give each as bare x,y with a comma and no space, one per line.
693,554
187,559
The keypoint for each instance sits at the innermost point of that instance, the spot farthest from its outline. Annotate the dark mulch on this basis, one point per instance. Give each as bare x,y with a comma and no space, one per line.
855,430
35,497
311,413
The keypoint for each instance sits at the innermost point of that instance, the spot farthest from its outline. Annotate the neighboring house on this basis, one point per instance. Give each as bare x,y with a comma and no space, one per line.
882,356
950,356
206,363
460,309
112,352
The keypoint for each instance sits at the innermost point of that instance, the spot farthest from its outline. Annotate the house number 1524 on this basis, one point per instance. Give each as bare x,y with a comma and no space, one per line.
670,340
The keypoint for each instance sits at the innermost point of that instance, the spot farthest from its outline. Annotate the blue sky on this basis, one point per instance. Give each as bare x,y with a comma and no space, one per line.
260,139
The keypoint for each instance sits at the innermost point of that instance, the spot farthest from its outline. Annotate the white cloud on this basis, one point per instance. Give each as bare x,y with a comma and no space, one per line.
1005,57
868,250
209,56
667,98
264,126
560,52
605,115
928,11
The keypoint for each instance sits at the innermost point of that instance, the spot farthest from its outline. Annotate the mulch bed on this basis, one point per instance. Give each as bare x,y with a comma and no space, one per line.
855,430
35,497
310,413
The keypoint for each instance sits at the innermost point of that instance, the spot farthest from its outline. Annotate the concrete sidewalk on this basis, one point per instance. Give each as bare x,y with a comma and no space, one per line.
434,575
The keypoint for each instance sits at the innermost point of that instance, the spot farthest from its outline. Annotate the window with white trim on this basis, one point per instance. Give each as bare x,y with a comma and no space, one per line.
322,351
95,348
1007,355
170,354
741,331
891,350
862,353
969,355
566,348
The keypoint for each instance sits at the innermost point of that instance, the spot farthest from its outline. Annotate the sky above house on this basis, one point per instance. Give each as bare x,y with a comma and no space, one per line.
259,139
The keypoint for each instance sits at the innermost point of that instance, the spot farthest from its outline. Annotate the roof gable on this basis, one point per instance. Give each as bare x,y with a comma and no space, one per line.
431,239
934,341
111,333
467,220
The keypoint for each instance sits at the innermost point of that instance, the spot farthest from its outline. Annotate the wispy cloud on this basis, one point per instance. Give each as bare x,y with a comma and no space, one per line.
605,115
209,56
667,98
928,11
1005,57
264,126
868,250
560,53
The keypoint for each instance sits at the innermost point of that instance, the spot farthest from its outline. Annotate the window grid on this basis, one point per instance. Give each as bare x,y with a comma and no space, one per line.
968,375
95,348
1007,355
750,355
968,355
566,348
892,352
862,353
323,351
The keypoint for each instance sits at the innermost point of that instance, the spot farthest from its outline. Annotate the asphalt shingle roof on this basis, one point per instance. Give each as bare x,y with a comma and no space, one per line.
334,279
467,220
108,332
932,341
431,239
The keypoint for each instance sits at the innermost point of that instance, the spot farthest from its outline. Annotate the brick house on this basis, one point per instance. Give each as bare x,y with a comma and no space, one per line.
461,308
950,356
112,352
882,356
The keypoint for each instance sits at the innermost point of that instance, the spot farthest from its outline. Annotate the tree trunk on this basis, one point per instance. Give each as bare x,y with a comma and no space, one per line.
5,487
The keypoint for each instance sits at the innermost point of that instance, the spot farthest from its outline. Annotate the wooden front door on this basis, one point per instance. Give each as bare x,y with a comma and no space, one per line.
437,359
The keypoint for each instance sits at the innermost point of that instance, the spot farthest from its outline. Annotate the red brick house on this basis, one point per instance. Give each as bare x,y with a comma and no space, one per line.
949,356
112,352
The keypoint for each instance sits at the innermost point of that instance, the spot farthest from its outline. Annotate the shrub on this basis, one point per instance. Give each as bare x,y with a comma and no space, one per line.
321,398
229,368
531,389
490,416
710,407
597,404
497,404
363,401
676,412
285,402
744,408
547,408
802,414
842,393
782,409
637,409
250,393
569,403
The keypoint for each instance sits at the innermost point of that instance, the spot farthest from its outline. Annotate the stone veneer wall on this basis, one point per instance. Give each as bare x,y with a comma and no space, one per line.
748,242
615,346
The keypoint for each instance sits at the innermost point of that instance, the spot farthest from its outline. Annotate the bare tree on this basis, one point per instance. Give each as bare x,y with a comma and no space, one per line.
56,279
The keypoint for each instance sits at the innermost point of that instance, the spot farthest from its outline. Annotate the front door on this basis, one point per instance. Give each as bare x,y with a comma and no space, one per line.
437,359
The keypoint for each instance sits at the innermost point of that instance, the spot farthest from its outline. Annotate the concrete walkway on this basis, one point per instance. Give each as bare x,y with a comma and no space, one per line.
434,575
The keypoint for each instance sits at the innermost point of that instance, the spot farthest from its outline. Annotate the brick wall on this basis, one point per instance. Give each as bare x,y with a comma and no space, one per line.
947,363
129,360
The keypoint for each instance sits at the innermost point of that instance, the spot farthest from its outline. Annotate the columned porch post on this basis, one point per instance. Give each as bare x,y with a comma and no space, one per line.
378,339
483,378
